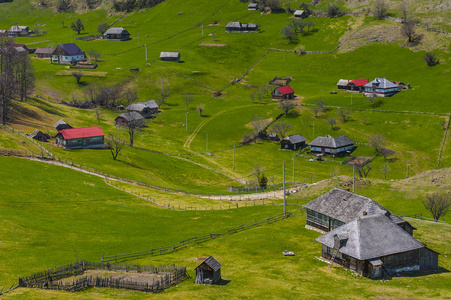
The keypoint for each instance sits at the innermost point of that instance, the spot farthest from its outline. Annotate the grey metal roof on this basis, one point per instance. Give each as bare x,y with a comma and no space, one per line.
345,206
212,263
331,142
60,122
44,50
298,12
372,237
381,83
131,116
169,54
233,25
252,5
18,28
343,82
139,106
150,103
116,30
295,138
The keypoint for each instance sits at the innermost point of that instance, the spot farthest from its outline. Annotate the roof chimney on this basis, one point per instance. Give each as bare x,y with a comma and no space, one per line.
364,213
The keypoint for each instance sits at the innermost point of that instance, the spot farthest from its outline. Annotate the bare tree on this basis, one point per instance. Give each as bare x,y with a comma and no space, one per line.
7,59
363,170
430,59
77,75
408,30
344,113
404,10
257,169
289,33
321,104
102,27
286,106
316,110
437,204
77,26
200,108
114,143
188,99
258,124
24,76
108,95
377,141
386,152
130,96
373,98
380,9
133,127
333,10
385,169
365,119
99,114
94,55
91,92
281,128
331,122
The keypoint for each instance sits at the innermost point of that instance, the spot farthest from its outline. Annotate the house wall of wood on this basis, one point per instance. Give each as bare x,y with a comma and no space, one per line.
290,146
321,221
88,142
332,151
121,122
118,37
67,58
43,55
209,273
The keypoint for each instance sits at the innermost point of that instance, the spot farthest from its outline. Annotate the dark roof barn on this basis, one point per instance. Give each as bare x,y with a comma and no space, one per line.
208,272
61,124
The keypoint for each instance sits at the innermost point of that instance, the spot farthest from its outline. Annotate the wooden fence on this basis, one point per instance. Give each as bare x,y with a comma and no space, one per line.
51,279
421,217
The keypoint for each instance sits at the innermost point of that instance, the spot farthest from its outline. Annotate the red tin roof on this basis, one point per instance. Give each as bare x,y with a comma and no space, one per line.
359,82
286,90
75,133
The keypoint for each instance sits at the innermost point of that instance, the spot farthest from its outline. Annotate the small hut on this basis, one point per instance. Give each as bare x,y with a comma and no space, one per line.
170,56
208,272
293,142
61,124
38,135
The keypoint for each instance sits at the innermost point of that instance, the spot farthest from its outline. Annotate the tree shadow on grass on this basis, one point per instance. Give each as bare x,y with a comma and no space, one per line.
336,128
223,282
421,273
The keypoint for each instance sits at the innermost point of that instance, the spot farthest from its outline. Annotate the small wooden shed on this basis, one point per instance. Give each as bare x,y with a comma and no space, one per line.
293,142
282,93
61,124
301,14
170,56
208,272
38,135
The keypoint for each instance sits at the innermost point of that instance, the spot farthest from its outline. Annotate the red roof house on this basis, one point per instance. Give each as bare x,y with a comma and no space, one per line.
357,84
85,137
283,92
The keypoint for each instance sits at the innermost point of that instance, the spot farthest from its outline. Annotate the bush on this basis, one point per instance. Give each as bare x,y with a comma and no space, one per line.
430,59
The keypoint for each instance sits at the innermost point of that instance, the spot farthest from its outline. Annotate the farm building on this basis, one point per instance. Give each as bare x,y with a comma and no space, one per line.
293,142
170,56
328,145
357,85
117,34
61,124
342,84
241,27
337,207
146,108
273,137
208,272
44,52
68,53
38,135
282,93
252,6
85,137
373,246
3,32
21,49
18,31
301,14
380,87
128,118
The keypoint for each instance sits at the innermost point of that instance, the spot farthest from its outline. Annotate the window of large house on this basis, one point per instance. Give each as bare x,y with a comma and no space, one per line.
318,217
310,215
325,221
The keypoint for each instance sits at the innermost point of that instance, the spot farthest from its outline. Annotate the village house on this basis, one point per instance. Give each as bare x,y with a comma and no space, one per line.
328,145
300,14
44,52
380,87
342,84
85,137
68,53
21,49
374,246
61,124
283,93
170,56
18,31
39,135
252,6
116,34
337,207
357,85
146,108
293,142
239,27
129,118
208,272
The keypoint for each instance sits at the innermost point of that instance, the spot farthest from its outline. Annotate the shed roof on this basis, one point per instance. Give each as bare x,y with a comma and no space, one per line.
286,89
372,237
116,30
139,106
299,12
169,54
83,132
212,263
71,49
252,5
131,116
60,122
359,82
18,28
332,142
345,206
381,83
44,50
233,25
295,138
343,82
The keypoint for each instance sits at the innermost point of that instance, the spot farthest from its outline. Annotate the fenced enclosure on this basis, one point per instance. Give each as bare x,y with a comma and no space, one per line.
191,241
52,278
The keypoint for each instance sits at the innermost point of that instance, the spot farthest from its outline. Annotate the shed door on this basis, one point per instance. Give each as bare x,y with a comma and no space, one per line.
323,150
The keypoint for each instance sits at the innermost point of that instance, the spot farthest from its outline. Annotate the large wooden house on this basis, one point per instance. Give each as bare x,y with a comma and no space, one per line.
44,52
208,272
18,31
283,93
116,34
293,142
68,53
380,87
130,118
328,145
146,108
337,207
374,246
85,137
240,27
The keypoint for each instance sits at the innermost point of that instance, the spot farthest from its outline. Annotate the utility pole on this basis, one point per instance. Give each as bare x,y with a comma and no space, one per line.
234,157
138,40
293,171
407,174
146,51
353,178
186,121
313,129
284,194
207,141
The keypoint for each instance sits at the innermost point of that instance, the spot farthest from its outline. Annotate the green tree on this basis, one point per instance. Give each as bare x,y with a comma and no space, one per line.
102,27
263,181
77,26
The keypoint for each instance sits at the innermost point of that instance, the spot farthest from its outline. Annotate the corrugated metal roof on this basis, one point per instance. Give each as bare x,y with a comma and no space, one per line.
44,50
371,237
139,106
116,30
381,83
286,89
298,12
295,138
343,82
233,25
169,54
332,142
83,132
71,49
212,263
131,116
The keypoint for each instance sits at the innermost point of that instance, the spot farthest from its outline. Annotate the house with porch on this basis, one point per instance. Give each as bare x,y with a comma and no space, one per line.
126,119
208,272
116,34
146,108
327,145
338,207
68,53
380,87
285,92
357,85
374,246
293,142
77,138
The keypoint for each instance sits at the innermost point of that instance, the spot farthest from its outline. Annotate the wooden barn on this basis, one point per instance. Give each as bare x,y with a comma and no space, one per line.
146,108
44,52
116,34
240,27
61,124
129,118
68,53
170,56
283,93
380,87
18,31
293,142
337,207
327,145
39,135
300,14
208,272
375,246
85,137
357,85
342,84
